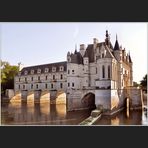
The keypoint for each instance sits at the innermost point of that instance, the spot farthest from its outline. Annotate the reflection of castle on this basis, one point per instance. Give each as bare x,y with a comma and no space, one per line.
97,68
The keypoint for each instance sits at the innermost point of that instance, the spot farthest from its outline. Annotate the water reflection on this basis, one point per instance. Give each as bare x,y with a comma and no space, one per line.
115,121
125,117
40,114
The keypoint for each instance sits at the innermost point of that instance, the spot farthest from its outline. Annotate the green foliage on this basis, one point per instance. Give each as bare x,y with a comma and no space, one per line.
135,84
7,75
143,83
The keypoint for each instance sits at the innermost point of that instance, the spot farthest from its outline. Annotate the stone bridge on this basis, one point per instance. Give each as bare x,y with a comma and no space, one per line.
111,100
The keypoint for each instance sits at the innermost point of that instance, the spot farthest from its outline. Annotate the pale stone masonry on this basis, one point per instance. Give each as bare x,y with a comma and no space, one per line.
99,69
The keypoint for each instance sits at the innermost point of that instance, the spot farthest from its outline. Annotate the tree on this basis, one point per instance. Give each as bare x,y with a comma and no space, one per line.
143,83
8,73
135,84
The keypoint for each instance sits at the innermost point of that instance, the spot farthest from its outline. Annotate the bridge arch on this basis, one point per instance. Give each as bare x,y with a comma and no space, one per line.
61,97
127,103
88,100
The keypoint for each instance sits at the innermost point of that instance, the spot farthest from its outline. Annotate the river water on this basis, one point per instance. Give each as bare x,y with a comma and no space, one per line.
49,114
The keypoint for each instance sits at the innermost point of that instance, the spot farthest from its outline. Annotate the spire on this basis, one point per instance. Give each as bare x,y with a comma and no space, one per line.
130,60
75,49
116,47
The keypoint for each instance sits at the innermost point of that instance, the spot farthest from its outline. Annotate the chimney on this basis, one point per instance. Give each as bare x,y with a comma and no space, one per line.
95,40
82,49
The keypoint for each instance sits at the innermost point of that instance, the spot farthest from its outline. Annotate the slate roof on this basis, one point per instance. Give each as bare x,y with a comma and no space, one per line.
116,47
76,58
42,67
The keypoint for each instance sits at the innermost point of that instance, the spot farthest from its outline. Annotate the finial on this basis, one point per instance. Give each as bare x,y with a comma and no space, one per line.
106,33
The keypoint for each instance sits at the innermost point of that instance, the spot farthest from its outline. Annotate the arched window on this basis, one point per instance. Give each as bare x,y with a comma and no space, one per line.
61,76
53,77
46,86
109,71
46,77
61,85
103,71
68,71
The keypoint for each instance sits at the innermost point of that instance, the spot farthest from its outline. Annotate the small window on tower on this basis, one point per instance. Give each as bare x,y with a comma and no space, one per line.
73,85
68,71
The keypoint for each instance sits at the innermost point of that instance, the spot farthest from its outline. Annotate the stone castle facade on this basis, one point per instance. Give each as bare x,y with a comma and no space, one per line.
100,71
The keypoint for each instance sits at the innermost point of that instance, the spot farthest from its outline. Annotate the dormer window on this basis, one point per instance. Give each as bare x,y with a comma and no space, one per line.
39,71
53,69
32,71
26,72
46,70
61,68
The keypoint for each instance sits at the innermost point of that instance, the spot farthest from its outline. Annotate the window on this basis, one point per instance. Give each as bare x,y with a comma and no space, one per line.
46,77
51,85
46,86
72,84
61,76
26,72
25,79
39,71
38,77
53,77
109,71
53,69
61,85
18,86
61,68
68,71
68,84
37,86
32,79
46,70
19,79
31,86
23,86
103,71
96,70
32,71
102,55
73,71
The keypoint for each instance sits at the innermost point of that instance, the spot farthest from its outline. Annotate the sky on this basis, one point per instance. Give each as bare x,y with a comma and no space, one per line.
41,43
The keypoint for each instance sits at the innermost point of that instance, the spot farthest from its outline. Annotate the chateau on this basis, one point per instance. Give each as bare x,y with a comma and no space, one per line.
95,75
